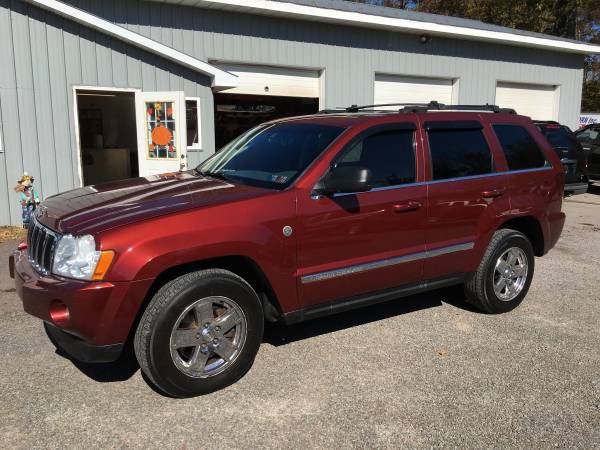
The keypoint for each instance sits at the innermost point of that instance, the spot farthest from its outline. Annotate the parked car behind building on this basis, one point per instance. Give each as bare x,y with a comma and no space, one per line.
571,154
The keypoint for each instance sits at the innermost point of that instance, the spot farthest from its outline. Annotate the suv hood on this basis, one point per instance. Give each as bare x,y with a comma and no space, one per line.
91,209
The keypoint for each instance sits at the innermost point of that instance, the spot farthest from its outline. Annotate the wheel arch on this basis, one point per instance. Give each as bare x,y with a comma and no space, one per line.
242,266
531,227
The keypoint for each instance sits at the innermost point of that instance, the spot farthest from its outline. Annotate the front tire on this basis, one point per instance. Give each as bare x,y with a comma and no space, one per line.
504,275
199,333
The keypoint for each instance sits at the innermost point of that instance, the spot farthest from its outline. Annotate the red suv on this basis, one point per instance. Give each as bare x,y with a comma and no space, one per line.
295,219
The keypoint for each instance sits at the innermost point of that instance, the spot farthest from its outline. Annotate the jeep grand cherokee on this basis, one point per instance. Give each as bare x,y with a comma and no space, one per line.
295,219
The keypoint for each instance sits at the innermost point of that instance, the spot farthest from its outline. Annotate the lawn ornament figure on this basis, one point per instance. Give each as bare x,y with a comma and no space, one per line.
27,197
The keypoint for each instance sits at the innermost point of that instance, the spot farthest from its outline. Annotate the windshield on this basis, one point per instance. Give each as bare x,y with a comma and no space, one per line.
271,156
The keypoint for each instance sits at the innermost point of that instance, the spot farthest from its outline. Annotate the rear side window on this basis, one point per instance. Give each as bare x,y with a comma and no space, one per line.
520,150
561,138
459,153
389,155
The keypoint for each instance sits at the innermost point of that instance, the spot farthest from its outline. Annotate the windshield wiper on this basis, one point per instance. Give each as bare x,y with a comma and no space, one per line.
217,175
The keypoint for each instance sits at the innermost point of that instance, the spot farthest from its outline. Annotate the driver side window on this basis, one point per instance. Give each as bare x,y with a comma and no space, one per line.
389,155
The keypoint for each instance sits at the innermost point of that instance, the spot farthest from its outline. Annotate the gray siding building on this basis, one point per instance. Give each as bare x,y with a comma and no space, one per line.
94,91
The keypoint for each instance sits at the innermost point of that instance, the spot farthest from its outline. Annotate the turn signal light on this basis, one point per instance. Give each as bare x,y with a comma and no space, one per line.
104,262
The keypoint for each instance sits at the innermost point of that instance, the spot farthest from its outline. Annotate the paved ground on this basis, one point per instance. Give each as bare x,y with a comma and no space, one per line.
424,371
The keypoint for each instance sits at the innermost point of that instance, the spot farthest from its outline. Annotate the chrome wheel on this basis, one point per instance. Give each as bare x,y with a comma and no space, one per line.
510,274
208,337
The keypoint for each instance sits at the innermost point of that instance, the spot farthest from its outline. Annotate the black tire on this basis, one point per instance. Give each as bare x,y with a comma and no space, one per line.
153,334
479,287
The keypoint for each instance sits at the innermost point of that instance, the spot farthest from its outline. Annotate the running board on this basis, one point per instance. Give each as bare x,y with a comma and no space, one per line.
372,298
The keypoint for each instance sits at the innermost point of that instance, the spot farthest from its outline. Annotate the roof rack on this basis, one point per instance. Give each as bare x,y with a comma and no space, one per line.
436,106
420,107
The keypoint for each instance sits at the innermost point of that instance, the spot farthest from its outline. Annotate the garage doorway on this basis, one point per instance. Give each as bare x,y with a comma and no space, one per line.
107,135
538,101
237,113
263,93
409,89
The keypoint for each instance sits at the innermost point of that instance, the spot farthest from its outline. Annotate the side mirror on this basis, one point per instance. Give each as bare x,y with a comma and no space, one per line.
345,179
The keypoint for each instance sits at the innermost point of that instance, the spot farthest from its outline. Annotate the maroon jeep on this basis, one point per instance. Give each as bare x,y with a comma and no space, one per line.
295,219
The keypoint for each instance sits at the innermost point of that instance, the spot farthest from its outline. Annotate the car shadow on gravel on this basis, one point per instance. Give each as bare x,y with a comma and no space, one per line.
120,370
278,334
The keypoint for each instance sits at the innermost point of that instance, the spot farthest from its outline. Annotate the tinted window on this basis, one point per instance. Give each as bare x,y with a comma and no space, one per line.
520,149
561,139
271,156
459,153
389,155
591,135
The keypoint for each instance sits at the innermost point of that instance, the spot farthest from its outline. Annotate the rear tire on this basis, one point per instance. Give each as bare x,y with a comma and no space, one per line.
199,333
504,275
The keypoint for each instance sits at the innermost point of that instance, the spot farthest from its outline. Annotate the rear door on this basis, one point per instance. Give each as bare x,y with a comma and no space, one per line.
351,244
466,194
532,183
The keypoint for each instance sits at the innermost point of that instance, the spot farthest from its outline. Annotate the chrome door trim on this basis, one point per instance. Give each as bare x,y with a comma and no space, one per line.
445,180
329,274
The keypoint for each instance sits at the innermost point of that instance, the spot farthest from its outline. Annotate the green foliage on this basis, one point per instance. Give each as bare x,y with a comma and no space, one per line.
575,19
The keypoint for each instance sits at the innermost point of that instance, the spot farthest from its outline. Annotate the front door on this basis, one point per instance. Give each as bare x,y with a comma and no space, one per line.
353,244
161,132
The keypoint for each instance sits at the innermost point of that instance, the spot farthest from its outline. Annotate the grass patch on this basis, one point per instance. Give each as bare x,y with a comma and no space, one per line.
11,233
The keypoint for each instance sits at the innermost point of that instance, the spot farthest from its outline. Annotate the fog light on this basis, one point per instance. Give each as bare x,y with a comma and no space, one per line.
59,313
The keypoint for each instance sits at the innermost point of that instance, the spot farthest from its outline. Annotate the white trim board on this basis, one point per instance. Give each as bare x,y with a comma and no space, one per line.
315,13
220,79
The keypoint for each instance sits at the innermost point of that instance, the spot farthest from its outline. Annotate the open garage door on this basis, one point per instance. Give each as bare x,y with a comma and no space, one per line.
403,89
540,102
263,93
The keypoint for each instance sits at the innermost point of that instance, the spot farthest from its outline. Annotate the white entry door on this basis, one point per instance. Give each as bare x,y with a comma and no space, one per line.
161,132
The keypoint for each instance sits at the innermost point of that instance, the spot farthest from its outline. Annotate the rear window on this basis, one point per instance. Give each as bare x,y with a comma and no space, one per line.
520,150
459,153
561,138
591,135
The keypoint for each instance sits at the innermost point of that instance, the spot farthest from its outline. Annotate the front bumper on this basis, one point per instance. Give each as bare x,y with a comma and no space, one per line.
80,349
100,313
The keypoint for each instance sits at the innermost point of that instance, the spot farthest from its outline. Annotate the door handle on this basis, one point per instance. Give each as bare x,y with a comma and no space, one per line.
493,193
405,207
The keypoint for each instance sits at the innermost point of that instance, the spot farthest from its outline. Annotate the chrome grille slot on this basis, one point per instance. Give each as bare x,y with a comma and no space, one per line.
40,246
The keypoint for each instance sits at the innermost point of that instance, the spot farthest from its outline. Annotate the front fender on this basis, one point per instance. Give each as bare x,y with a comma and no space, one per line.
252,229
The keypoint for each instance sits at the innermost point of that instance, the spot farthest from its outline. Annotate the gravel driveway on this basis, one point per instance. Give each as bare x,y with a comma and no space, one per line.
424,371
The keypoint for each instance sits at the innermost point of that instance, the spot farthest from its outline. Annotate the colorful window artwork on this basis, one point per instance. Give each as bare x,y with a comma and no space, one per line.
160,123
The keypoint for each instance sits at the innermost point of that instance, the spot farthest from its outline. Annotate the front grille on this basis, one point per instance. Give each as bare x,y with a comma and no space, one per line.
595,158
40,246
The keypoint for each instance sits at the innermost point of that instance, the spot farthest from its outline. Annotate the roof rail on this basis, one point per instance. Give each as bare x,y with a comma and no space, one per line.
356,108
421,107
436,106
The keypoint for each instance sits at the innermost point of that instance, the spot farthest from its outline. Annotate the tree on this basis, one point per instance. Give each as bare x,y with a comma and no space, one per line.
575,19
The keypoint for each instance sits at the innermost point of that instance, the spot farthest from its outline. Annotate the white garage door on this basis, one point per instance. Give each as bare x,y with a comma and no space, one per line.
401,89
533,100
267,80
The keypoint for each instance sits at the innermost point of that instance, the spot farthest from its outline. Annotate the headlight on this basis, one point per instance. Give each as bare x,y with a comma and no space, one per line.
77,257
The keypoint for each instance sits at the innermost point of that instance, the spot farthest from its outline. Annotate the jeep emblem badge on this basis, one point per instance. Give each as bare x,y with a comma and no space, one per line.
287,231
